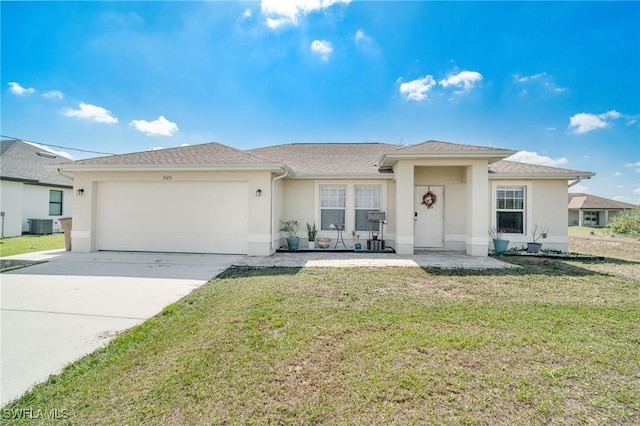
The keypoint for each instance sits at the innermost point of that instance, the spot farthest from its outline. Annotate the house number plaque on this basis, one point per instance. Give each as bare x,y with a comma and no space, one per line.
166,177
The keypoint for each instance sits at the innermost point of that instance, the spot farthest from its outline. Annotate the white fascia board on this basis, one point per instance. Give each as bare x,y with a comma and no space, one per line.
389,158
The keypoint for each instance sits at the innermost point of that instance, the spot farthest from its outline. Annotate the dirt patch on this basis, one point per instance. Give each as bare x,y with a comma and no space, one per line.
613,246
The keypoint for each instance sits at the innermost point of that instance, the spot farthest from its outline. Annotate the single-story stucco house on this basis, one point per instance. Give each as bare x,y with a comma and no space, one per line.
213,198
32,197
590,210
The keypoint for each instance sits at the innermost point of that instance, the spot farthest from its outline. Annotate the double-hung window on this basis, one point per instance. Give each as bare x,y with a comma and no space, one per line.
332,205
510,204
367,199
55,203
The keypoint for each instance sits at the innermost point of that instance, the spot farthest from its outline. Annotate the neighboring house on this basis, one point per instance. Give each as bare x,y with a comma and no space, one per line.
28,190
589,210
212,198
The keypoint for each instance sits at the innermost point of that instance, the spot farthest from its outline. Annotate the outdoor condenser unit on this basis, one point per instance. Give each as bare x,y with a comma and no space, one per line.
40,226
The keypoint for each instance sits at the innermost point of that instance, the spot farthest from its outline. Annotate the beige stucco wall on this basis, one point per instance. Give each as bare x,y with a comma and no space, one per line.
301,201
259,214
545,206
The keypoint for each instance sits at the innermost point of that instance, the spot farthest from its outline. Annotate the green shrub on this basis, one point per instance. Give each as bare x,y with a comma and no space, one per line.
627,223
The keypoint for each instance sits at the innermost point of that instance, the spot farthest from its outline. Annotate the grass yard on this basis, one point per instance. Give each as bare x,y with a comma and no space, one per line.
30,243
555,342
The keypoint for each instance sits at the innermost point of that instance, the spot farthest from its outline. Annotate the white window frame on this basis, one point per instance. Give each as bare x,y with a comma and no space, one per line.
368,209
528,204
332,208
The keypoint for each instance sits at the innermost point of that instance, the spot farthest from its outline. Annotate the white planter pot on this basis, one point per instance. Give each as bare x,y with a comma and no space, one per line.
312,245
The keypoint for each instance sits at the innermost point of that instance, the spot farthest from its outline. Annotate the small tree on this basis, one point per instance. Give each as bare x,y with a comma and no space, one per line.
627,223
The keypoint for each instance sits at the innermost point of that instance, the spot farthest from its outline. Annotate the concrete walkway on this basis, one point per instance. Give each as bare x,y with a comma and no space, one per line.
427,259
56,312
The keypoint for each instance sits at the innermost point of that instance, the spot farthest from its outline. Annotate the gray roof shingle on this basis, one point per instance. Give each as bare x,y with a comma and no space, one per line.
327,158
21,161
514,167
210,153
439,146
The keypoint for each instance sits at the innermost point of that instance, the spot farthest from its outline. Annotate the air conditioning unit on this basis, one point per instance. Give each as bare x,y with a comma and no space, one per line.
40,226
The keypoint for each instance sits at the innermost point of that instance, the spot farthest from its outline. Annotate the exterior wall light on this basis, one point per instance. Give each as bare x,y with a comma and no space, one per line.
80,191
258,192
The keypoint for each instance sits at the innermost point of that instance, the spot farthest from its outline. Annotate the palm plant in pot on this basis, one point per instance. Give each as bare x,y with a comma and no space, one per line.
536,233
499,243
290,227
312,231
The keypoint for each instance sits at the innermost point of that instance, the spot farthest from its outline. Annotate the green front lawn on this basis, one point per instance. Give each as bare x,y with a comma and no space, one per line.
551,343
30,243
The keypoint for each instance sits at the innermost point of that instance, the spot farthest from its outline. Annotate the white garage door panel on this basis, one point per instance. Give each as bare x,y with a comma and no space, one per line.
191,217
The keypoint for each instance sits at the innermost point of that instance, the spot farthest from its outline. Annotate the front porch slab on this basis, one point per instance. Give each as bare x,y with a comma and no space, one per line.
431,259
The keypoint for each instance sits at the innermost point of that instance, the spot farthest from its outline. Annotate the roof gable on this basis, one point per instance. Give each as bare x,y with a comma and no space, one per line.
22,161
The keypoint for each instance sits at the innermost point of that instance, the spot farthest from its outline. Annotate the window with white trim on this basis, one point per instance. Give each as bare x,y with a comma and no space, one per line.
332,205
510,208
367,199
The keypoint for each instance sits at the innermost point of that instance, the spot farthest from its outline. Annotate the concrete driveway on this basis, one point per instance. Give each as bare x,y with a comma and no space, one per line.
56,312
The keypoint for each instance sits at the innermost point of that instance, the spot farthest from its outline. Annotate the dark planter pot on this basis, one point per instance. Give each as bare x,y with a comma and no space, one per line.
293,243
500,246
533,247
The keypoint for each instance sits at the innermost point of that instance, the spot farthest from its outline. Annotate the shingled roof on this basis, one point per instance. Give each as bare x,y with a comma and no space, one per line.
508,168
579,201
24,162
205,154
327,158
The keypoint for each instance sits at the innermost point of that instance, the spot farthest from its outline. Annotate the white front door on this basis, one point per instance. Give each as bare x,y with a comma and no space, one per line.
428,222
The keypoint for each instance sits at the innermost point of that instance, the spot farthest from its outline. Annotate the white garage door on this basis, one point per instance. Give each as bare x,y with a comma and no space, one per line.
187,217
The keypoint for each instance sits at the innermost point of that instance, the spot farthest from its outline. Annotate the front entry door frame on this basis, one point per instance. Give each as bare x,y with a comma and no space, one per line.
428,223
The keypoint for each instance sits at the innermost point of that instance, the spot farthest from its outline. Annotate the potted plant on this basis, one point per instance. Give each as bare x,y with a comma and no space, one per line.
499,244
356,237
312,231
537,232
290,227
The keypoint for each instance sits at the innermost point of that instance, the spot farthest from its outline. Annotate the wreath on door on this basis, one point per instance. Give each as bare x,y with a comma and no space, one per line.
429,199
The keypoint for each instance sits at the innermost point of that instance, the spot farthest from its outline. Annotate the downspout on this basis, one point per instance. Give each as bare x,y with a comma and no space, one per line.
286,173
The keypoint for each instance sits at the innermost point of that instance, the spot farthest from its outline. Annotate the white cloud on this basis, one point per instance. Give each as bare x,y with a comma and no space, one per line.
17,89
585,122
617,174
416,90
53,94
579,188
535,158
280,13
247,13
323,48
542,79
637,190
551,129
465,80
159,127
635,166
91,112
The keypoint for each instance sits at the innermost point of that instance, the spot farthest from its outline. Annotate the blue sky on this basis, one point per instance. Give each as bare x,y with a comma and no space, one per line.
558,81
